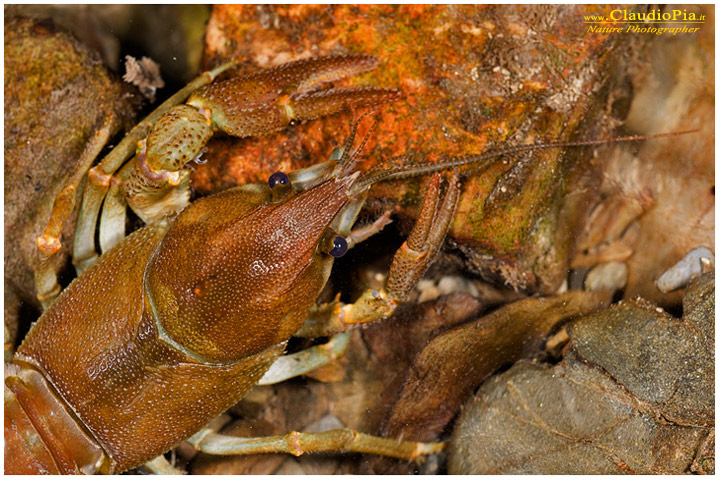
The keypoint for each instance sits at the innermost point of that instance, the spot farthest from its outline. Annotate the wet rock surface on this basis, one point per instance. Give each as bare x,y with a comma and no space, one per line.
57,94
634,394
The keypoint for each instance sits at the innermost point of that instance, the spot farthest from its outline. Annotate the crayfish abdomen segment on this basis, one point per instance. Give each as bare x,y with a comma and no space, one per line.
41,434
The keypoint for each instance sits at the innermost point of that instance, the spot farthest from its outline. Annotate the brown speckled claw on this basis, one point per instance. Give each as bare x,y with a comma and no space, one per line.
271,99
257,104
417,253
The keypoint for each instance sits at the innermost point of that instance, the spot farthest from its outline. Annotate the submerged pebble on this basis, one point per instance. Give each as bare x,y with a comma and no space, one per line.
696,262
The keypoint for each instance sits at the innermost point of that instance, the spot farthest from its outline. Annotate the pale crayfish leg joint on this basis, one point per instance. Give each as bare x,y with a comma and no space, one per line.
98,177
48,244
372,305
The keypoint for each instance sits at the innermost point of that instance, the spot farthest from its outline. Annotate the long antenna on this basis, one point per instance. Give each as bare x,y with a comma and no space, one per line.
414,170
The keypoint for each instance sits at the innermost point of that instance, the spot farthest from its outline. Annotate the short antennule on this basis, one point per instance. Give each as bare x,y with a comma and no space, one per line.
347,161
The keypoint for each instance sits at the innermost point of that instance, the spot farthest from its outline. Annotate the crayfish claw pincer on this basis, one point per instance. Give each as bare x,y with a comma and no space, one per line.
417,253
269,100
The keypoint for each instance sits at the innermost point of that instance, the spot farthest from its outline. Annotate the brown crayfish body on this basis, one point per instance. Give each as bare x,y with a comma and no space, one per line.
175,323
179,321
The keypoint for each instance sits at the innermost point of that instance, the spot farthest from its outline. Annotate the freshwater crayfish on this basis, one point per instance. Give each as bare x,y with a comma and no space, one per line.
151,361
204,301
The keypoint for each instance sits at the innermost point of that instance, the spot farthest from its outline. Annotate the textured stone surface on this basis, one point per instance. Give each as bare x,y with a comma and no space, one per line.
57,94
635,394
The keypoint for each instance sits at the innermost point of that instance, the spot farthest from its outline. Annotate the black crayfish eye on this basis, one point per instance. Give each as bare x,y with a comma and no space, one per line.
278,178
340,246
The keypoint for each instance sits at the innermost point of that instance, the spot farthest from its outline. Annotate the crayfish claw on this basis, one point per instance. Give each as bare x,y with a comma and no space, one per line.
269,100
318,104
